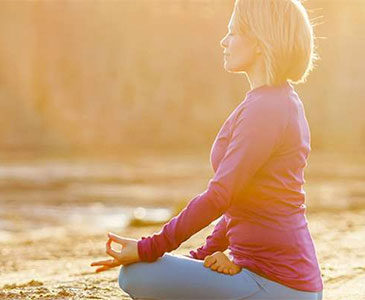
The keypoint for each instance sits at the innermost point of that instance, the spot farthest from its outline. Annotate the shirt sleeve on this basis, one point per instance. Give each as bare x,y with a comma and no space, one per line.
217,241
256,131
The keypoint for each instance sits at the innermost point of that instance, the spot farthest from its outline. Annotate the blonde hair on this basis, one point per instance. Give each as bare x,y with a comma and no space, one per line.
284,33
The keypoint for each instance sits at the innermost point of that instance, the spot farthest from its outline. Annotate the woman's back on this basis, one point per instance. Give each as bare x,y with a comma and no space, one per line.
276,189
266,227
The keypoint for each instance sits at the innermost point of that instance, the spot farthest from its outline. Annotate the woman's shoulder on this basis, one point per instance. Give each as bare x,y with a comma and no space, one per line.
275,105
274,97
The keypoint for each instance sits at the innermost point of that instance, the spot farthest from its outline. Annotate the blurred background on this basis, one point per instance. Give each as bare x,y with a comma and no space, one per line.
110,108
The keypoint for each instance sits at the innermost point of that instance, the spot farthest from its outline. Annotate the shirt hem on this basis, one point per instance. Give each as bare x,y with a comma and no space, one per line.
315,290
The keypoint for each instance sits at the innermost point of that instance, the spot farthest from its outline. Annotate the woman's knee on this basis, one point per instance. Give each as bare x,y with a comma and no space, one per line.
124,280
141,277
130,277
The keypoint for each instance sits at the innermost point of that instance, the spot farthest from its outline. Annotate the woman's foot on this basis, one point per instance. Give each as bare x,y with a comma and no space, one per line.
219,262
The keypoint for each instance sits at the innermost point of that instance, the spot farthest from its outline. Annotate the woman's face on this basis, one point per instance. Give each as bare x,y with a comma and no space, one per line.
240,50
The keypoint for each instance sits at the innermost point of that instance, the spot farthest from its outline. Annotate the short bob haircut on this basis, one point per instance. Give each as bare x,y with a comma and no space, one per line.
285,35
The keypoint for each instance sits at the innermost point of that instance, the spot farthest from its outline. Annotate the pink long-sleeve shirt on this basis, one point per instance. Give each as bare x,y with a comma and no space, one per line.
258,157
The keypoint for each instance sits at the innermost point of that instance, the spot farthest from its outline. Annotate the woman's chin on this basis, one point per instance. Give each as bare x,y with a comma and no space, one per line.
230,69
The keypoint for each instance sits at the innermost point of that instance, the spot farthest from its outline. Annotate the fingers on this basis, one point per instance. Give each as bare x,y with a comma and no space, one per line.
117,256
102,262
104,268
105,264
110,251
117,239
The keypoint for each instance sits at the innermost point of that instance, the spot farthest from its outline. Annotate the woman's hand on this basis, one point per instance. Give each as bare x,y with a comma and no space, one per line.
128,254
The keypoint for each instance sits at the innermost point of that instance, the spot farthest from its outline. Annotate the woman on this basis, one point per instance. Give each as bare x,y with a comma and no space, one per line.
258,157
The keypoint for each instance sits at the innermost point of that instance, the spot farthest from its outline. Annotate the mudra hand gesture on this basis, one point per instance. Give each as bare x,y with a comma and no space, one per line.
128,254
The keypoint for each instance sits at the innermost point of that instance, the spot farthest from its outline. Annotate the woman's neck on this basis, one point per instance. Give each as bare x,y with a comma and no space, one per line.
256,75
256,83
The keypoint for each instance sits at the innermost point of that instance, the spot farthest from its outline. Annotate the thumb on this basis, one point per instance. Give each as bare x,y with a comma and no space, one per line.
117,239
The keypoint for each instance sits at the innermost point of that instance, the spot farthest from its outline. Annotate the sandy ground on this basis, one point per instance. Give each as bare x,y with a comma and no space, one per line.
54,263
50,258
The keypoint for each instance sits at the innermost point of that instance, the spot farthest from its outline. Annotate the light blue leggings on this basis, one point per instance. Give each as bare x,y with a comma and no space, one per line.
181,277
